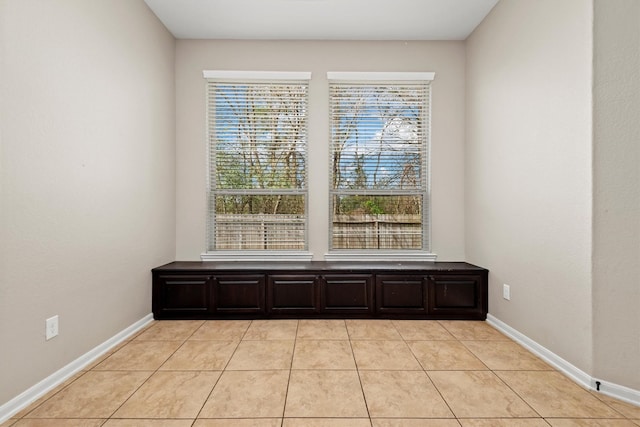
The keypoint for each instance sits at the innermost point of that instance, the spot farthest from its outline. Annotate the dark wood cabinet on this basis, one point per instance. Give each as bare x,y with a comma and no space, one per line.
181,296
293,294
456,295
425,290
401,294
238,293
347,294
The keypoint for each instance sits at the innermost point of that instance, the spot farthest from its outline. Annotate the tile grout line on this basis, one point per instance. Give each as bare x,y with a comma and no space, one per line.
286,392
455,417
152,372
622,416
355,361
613,409
499,378
221,372
516,393
224,369
53,392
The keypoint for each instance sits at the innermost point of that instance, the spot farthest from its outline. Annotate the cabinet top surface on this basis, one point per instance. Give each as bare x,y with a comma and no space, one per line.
315,266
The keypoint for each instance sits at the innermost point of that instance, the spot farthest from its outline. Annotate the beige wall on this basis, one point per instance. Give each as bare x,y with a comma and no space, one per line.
87,176
616,250
445,58
528,169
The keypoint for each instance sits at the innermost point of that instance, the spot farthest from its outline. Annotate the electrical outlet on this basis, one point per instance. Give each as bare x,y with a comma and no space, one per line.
506,292
51,327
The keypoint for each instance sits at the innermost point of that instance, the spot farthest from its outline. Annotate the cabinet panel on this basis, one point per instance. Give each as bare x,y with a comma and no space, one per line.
347,293
238,294
181,296
401,294
456,295
293,293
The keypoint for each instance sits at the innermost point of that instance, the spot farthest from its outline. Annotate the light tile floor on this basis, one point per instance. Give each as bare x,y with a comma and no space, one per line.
352,373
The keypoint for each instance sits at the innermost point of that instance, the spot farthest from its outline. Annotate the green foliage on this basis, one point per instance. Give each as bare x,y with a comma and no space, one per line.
372,207
260,204
377,205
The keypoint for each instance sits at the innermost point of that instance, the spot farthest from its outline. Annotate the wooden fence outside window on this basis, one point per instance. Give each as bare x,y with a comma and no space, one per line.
283,232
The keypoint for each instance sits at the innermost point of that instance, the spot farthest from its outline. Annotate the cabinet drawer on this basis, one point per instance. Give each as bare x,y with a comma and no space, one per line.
456,295
347,294
295,294
238,294
401,294
181,296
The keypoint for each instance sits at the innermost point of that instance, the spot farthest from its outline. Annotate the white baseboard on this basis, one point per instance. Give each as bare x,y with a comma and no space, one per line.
617,391
32,394
610,389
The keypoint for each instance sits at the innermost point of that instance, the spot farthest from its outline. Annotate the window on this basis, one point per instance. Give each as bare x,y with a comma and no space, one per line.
379,177
257,143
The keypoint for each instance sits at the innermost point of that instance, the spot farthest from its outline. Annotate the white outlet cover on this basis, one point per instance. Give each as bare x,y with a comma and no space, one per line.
51,327
506,292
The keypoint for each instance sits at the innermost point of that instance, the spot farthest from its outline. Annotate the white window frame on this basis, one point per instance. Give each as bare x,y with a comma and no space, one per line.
251,255
388,255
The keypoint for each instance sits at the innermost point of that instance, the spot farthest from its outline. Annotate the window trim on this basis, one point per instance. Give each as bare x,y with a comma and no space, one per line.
366,76
256,75
362,255
386,255
254,255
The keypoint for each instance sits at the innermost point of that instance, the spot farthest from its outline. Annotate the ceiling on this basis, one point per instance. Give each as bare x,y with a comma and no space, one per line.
322,19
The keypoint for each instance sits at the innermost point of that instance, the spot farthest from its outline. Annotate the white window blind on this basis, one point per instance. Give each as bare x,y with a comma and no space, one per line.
257,144
379,157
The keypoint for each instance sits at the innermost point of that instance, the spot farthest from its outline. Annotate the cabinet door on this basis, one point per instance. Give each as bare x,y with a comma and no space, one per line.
181,296
347,294
293,293
401,294
457,296
238,293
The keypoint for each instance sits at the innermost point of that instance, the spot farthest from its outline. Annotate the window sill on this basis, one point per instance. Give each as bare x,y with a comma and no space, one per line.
256,256
379,256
